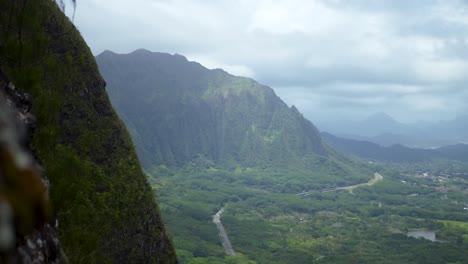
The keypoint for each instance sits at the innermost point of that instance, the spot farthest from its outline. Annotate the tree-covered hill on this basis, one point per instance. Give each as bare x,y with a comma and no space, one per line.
105,208
180,112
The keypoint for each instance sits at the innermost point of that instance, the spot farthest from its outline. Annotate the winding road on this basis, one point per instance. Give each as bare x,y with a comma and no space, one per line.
377,178
222,233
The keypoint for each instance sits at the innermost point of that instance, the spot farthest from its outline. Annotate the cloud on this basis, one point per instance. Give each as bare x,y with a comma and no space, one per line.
347,58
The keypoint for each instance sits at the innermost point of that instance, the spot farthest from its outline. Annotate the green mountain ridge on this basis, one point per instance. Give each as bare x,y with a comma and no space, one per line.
105,207
396,153
180,112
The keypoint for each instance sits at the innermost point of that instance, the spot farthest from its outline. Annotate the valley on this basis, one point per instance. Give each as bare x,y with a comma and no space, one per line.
209,140
150,157
368,225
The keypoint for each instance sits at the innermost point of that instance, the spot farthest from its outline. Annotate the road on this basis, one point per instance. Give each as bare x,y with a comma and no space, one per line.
222,233
377,178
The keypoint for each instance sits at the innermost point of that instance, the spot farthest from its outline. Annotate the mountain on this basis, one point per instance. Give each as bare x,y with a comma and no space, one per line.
372,126
372,151
395,153
384,130
453,129
180,112
381,123
104,207
456,152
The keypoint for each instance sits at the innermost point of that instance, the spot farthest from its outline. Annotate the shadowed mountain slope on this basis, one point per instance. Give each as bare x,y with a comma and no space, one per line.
179,112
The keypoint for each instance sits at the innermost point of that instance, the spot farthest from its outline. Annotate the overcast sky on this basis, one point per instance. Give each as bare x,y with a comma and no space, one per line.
332,59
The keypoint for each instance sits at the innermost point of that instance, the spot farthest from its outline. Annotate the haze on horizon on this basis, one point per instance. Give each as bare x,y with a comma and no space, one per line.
332,59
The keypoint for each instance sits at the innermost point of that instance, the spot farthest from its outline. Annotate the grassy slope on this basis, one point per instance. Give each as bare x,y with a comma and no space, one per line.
105,208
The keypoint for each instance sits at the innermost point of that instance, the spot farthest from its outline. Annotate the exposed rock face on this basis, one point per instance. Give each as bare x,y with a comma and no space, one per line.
26,236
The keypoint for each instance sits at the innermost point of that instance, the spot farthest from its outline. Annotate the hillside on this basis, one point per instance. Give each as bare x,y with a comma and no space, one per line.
106,210
384,130
180,112
396,153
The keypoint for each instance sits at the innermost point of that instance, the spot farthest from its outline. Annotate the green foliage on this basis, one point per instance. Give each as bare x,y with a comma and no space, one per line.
267,223
105,207
183,113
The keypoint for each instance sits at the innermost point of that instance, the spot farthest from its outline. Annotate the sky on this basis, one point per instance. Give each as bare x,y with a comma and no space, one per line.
332,59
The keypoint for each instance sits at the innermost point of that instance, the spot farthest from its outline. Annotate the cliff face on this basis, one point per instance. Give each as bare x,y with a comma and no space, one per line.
179,112
105,208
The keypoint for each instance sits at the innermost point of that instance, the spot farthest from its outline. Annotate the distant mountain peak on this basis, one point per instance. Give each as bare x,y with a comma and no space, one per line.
141,50
107,53
380,116
145,52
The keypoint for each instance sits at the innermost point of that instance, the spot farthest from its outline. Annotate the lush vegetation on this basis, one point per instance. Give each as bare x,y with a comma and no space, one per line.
105,208
210,140
268,223
181,112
